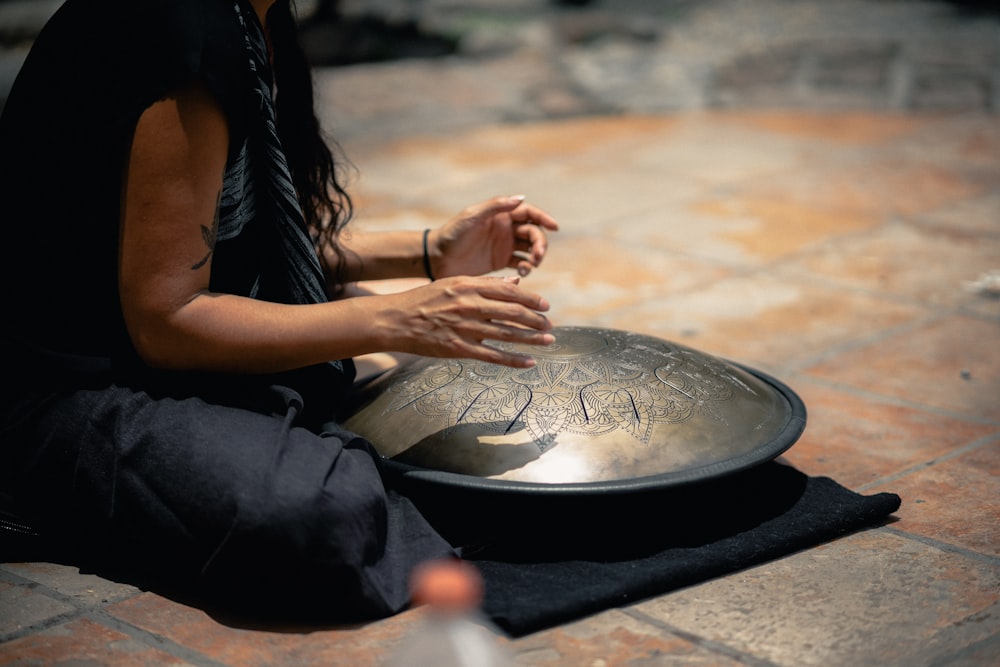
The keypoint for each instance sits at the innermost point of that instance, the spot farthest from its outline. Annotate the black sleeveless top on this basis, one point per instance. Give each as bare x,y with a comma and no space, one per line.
64,138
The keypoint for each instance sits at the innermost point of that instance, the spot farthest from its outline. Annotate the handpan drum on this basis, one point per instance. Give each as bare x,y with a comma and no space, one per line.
602,410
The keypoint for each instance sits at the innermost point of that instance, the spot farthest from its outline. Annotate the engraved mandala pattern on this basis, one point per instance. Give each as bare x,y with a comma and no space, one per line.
589,382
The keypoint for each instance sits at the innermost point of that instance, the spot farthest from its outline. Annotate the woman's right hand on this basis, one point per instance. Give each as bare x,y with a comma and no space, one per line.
453,317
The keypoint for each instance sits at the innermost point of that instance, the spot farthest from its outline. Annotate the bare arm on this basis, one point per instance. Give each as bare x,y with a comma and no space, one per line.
170,199
379,255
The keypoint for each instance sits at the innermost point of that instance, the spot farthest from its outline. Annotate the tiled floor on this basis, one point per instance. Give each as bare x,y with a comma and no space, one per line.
837,250
839,262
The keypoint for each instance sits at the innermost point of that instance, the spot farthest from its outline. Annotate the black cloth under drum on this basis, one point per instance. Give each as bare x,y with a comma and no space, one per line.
551,560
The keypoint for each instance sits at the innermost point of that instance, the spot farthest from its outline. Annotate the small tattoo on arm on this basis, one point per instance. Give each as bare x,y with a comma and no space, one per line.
210,235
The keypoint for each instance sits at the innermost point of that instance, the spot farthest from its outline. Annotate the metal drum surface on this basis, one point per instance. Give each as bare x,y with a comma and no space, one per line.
603,410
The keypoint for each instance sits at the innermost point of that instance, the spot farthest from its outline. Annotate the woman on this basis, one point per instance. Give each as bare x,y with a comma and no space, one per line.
176,359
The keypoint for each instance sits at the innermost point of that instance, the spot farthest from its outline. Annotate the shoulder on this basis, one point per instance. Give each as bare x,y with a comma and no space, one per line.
195,40
107,61
184,33
193,33
186,39
134,52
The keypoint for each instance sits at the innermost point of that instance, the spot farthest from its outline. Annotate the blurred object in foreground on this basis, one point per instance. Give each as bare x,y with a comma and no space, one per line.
453,634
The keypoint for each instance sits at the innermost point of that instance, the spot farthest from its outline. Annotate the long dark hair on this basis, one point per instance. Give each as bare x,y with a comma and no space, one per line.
316,162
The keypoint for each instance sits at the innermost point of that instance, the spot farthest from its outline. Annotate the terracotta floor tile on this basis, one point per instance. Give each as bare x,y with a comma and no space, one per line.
89,589
591,199
445,174
874,598
22,606
902,187
769,227
579,196
951,363
614,638
232,642
85,643
584,277
857,440
979,214
761,319
417,96
877,183
737,229
929,265
983,654
857,128
525,146
955,501
709,149
967,143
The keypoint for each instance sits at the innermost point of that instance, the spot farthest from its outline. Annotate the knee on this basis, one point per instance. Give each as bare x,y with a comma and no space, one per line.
334,517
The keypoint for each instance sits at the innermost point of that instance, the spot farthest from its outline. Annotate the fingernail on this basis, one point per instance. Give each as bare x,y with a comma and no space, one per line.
514,198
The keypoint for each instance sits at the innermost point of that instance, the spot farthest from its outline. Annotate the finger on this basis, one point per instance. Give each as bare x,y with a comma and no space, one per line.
507,290
496,205
528,323
490,311
476,302
477,347
522,261
490,354
528,214
512,333
535,239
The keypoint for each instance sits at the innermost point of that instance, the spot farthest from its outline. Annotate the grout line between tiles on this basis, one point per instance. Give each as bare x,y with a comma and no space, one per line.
97,613
152,640
80,607
835,350
716,647
792,374
15,579
34,628
985,441
947,547
828,283
970,651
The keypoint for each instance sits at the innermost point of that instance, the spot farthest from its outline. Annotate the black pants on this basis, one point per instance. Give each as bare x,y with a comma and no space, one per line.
241,499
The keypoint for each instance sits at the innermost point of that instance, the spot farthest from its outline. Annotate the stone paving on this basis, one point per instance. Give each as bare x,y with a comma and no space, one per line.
810,188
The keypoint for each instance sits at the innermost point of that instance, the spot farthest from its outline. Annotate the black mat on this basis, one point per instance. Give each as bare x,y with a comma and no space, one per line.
548,561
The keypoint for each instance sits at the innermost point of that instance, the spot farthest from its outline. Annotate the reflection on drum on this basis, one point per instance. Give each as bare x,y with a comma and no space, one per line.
602,410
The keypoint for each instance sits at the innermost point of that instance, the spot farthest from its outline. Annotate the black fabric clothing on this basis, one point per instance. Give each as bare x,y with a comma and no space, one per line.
207,480
236,496
301,274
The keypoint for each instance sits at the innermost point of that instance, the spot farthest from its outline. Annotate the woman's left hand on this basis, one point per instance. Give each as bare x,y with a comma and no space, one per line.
504,232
